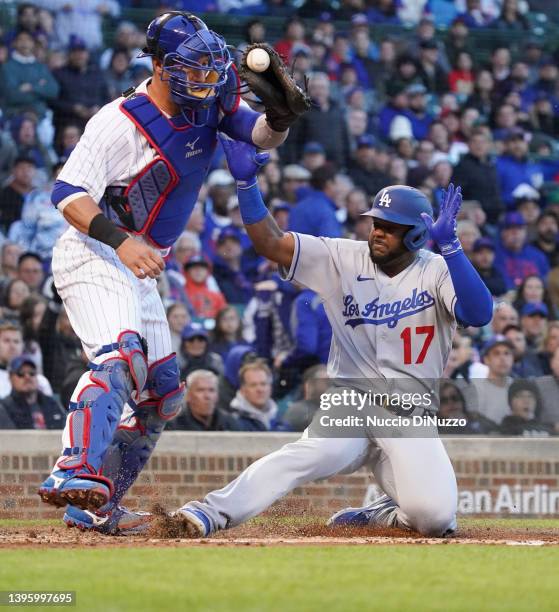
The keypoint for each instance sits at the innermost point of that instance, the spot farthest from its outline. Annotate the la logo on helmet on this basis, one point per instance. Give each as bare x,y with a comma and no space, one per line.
385,199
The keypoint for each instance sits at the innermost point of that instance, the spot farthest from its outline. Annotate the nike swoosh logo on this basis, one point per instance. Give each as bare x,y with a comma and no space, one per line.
364,278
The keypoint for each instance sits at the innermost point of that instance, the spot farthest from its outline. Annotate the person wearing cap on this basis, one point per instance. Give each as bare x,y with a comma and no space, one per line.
228,270
295,183
205,301
13,194
417,111
525,410
314,156
526,202
514,167
396,106
491,393
323,123
364,170
83,89
431,72
533,323
26,407
221,187
27,84
194,352
483,258
477,174
316,213
514,257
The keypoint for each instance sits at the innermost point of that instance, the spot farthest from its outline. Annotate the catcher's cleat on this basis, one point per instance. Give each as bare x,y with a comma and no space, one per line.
373,514
119,521
63,487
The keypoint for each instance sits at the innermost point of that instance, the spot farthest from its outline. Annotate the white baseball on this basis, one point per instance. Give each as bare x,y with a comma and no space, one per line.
258,60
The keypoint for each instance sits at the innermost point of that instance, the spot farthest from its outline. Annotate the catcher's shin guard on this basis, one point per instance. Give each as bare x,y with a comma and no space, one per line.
136,437
95,411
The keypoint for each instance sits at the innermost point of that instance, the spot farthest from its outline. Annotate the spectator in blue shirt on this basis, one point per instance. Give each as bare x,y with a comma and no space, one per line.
397,105
311,331
417,114
514,168
474,16
514,257
316,213
232,281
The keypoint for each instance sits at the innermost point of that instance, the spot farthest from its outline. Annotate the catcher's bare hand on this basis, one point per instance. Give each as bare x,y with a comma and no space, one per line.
282,98
140,258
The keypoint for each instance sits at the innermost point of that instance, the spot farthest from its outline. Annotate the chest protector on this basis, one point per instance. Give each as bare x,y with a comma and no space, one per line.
159,200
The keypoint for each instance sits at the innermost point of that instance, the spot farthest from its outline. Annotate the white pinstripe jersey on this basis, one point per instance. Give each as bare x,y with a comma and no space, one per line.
383,327
111,151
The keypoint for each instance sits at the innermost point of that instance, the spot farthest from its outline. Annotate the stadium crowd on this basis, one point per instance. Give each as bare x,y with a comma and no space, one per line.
416,106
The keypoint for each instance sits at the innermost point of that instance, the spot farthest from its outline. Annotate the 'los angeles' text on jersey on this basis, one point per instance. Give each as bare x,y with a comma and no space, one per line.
387,313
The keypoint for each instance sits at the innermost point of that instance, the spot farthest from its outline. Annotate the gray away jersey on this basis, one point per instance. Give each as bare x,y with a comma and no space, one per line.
383,327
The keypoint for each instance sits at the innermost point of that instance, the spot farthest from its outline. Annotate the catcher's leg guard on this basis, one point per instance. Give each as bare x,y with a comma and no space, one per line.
94,415
135,439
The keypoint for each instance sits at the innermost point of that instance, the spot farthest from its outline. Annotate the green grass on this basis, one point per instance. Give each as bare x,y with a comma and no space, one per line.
348,578
322,578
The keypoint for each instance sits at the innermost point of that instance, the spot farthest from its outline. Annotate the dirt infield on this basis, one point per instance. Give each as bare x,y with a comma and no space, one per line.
275,532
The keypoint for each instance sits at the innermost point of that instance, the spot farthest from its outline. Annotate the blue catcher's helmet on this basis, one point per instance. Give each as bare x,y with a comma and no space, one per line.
403,205
195,59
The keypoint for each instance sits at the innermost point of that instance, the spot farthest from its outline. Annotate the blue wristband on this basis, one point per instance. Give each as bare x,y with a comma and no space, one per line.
449,249
251,203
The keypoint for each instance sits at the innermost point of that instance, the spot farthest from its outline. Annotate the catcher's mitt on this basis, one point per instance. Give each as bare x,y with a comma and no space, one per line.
282,98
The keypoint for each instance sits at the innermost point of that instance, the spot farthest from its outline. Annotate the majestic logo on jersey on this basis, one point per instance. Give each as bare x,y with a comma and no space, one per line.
388,313
385,199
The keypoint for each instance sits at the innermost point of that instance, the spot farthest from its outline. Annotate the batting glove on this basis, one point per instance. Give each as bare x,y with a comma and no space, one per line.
443,230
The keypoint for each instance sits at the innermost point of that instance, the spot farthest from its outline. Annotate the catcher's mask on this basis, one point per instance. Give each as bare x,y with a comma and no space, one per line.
195,62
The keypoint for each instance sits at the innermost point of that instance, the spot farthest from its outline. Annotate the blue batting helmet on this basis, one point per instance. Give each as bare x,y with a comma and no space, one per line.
195,59
403,205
